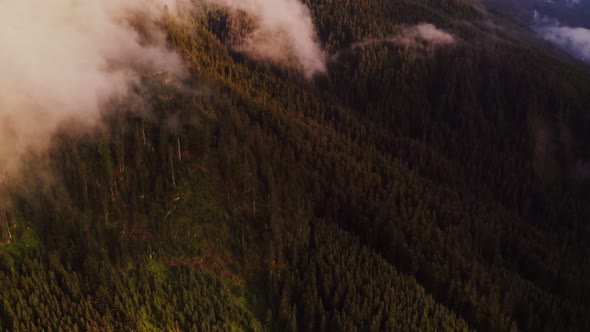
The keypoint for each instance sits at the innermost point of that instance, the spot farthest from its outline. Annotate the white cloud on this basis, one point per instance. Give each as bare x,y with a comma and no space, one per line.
63,59
425,32
285,30
574,40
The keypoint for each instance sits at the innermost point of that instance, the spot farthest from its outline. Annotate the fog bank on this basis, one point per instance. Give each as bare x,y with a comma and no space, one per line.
62,60
285,30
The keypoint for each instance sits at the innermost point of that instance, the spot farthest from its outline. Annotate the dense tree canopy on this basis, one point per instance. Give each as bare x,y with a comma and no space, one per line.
408,188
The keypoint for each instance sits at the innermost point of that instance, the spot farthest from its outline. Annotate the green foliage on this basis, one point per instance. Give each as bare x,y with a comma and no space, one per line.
337,285
398,192
43,294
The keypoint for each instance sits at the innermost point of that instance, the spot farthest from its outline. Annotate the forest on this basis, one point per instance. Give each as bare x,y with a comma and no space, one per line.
411,187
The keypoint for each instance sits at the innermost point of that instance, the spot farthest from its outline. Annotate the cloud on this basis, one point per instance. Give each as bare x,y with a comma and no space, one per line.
62,60
571,3
574,40
285,30
541,20
423,33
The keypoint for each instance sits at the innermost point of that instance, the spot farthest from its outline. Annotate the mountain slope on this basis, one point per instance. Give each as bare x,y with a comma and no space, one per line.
413,187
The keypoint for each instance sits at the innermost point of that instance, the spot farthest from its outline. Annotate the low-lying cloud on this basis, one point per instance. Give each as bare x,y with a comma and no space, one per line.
575,40
421,36
285,31
62,60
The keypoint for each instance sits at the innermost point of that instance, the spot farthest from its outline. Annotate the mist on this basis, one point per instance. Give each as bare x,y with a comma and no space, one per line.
62,60
285,32
574,40
423,34
420,36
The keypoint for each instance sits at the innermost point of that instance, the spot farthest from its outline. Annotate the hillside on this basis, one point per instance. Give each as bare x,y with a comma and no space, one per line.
435,177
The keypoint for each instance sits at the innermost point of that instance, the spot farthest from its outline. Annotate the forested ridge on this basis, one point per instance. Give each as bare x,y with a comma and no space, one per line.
409,188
